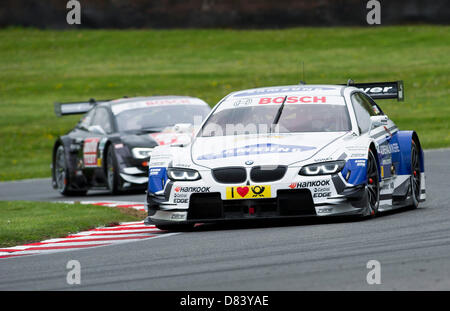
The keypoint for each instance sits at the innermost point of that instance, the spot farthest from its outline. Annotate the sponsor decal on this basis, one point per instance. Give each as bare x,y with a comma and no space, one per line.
388,186
293,100
242,102
321,192
192,189
181,201
180,195
255,149
360,162
326,189
310,184
356,148
384,149
321,195
179,216
248,192
377,89
287,89
325,210
154,171
262,136
90,152
389,148
165,138
323,159
118,108
181,165
394,147
157,163
159,160
386,161
180,198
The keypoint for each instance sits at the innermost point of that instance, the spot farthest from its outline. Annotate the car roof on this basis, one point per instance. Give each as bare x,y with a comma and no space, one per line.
147,98
310,89
122,104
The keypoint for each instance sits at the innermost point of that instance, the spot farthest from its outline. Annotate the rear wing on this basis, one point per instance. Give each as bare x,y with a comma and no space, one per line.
62,109
381,90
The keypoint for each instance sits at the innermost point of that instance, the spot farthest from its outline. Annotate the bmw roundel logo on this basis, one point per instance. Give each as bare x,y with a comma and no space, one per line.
249,162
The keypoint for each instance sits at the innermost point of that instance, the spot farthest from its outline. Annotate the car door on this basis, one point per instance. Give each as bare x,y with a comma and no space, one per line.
390,147
98,130
364,108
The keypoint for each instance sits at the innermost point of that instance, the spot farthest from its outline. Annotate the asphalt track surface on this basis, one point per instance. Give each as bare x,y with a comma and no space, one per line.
412,246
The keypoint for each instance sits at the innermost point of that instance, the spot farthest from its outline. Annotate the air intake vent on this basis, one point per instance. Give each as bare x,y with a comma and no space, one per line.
267,173
230,175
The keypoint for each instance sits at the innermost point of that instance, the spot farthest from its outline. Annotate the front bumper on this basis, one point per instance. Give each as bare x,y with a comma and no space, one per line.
310,197
134,177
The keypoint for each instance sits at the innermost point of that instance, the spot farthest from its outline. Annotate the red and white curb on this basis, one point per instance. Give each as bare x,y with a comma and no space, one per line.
124,232
136,205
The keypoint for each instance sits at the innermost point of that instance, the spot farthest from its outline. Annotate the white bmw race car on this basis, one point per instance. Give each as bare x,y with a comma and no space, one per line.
289,151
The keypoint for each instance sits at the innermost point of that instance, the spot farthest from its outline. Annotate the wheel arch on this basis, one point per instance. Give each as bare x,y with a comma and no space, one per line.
61,141
105,155
415,137
56,145
377,156
404,139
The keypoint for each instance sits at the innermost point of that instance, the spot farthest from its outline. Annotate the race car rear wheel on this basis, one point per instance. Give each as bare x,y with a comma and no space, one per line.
62,175
415,175
372,185
112,171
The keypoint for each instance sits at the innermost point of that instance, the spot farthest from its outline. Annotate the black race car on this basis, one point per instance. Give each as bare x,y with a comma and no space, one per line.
111,145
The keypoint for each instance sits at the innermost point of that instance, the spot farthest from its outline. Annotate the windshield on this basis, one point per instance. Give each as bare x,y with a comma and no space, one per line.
154,119
258,119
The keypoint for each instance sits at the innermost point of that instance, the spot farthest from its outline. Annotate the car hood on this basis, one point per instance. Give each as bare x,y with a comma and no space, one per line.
150,140
272,149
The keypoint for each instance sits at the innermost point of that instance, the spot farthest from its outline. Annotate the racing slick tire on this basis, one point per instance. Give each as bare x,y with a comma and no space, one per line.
175,227
415,184
113,179
62,175
372,186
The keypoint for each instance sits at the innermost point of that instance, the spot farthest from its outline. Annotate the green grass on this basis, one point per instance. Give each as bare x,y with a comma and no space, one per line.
26,222
39,67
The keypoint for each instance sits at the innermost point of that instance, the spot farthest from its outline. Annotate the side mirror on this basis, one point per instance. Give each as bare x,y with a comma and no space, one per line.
376,121
183,128
97,129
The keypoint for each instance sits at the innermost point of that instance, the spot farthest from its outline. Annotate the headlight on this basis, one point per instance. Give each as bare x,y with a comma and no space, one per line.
324,168
179,174
141,153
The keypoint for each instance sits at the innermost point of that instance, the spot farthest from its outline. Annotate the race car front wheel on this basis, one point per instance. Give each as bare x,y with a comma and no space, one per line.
61,174
372,185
